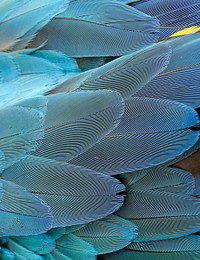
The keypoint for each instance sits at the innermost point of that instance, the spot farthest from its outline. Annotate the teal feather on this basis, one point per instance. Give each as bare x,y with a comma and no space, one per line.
76,121
78,193
32,216
161,179
180,80
16,13
40,244
126,74
21,252
82,33
17,138
108,235
75,248
159,140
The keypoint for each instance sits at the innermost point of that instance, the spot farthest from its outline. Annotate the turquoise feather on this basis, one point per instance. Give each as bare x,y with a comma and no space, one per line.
78,193
82,33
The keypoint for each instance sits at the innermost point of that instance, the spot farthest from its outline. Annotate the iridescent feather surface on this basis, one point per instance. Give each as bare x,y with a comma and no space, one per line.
99,103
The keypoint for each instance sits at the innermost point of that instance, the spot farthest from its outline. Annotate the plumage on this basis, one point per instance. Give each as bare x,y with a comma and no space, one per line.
109,234
173,15
21,252
126,74
40,244
17,138
74,247
90,89
143,142
161,178
76,121
180,80
17,13
78,193
25,81
22,213
91,29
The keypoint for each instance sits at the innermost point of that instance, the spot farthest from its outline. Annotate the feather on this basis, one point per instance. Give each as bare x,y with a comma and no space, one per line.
126,74
75,248
143,142
173,15
186,154
92,29
68,64
128,254
162,179
180,80
17,12
161,228
56,254
21,252
23,79
16,137
76,121
22,213
183,244
80,194
56,233
108,236
40,244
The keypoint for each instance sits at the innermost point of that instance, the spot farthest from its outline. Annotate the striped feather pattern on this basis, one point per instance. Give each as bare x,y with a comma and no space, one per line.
182,244
127,254
16,138
31,215
152,203
21,252
82,33
76,121
180,80
38,13
107,236
126,74
75,248
40,244
178,14
80,194
166,227
161,178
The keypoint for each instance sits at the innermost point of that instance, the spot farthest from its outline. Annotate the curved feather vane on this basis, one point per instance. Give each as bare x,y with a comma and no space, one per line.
161,215
80,194
182,244
186,154
180,80
21,252
173,15
40,244
108,235
15,32
139,141
150,229
61,60
162,179
25,81
76,121
74,248
22,213
151,204
16,137
116,30
128,254
126,74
